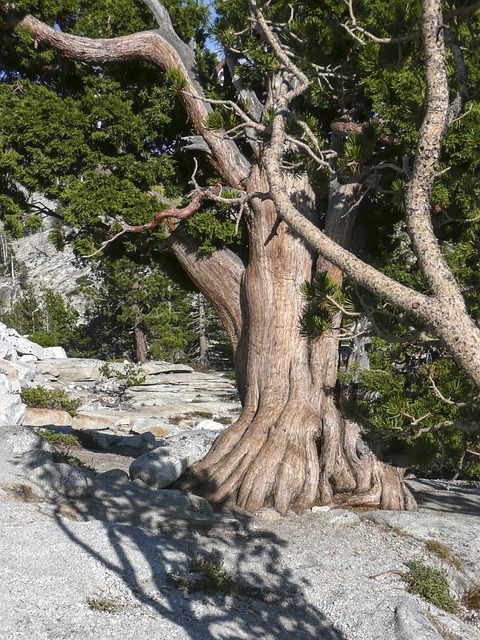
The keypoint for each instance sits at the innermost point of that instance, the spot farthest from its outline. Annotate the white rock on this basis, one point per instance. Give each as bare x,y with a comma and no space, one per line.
7,352
17,369
36,458
69,481
17,440
12,409
36,417
100,420
210,425
156,367
28,358
411,623
24,346
321,509
9,385
159,468
71,369
162,466
54,353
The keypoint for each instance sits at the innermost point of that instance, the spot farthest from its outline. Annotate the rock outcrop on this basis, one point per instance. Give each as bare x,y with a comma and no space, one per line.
165,414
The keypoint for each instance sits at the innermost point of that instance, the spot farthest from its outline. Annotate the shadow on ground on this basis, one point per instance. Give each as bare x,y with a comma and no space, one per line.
438,496
269,603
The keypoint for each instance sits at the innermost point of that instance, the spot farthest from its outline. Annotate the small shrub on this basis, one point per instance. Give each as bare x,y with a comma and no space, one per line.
132,374
212,578
102,604
444,553
43,398
431,584
59,438
66,457
208,415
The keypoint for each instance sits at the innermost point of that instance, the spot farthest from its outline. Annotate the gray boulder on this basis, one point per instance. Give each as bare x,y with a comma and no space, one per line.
24,346
7,352
17,440
71,369
36,458
19,370
158,468
162,466
60,478
9,385
54,352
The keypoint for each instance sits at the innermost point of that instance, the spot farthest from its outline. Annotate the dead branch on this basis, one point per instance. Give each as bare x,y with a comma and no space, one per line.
176,214
449,401
461,426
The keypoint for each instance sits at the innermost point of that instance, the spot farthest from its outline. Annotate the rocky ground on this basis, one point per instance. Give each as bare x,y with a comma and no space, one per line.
112,554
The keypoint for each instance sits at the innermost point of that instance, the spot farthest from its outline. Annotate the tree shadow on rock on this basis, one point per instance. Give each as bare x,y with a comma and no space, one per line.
263,600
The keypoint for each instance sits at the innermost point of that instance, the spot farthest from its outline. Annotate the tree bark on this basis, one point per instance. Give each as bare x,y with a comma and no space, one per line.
291,447
139,337
140,340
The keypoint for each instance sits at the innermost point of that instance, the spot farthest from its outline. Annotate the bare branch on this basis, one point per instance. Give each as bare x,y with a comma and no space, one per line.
294,142
354,28
177,214
449,401
461,426
107,242
350,314
282,57
233,107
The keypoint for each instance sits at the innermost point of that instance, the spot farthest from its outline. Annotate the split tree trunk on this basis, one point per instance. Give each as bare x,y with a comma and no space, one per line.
291,448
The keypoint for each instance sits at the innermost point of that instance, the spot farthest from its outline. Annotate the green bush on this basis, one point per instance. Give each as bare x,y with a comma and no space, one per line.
431,584
132,373
59,438
42,398
207,575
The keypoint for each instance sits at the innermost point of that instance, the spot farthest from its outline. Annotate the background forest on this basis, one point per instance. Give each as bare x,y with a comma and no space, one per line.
104,141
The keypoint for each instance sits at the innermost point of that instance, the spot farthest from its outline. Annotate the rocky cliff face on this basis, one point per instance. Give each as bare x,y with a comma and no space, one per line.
33,259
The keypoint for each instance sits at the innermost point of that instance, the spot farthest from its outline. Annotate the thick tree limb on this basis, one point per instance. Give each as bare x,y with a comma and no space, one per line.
418,211
219,276
165,50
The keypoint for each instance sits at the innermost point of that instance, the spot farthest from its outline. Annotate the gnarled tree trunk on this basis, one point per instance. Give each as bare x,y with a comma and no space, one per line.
291,447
